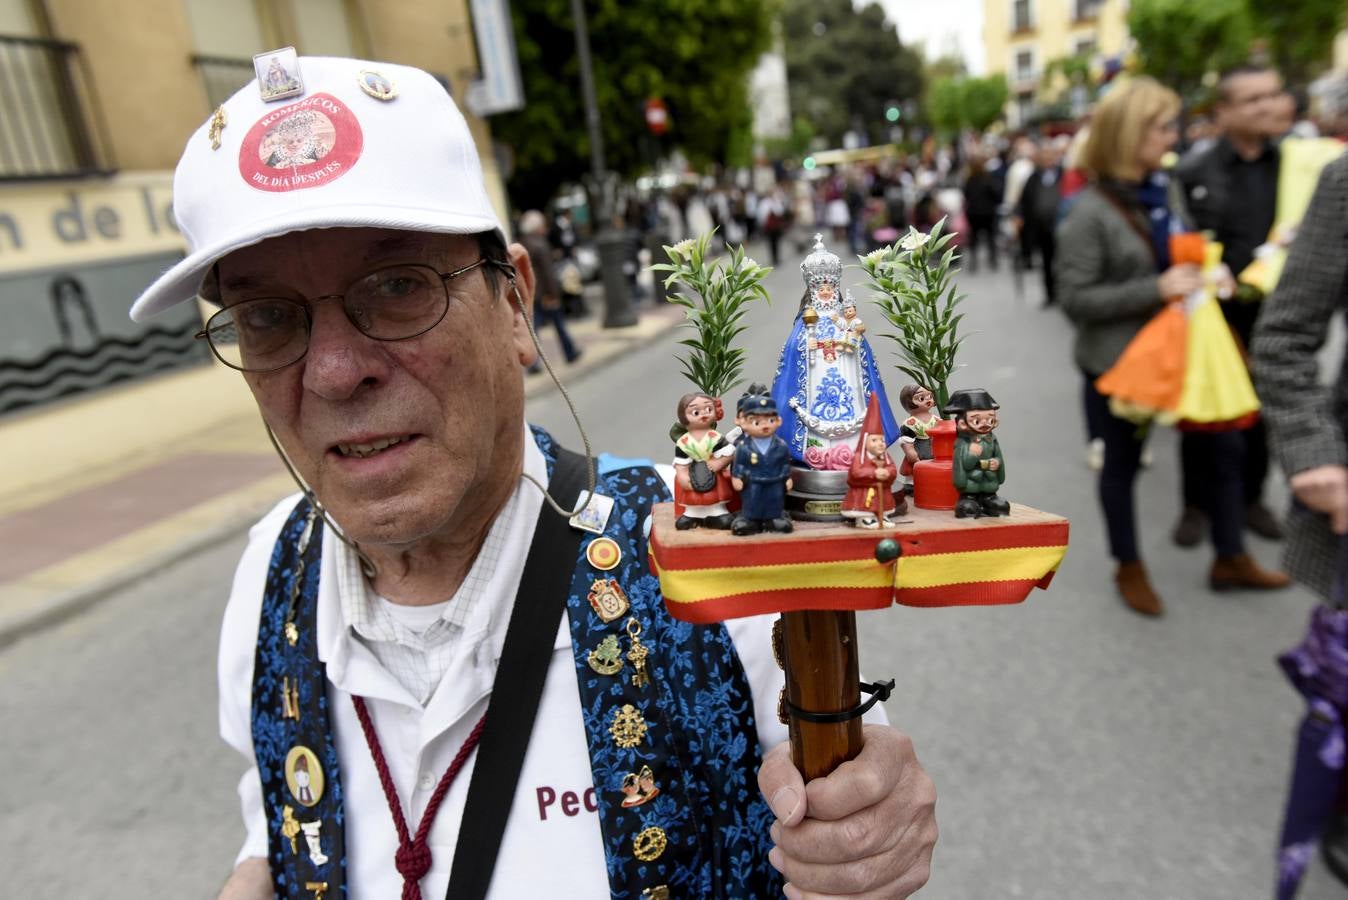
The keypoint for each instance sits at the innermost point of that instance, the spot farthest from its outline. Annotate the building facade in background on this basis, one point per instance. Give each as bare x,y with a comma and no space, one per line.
97,99
1023,37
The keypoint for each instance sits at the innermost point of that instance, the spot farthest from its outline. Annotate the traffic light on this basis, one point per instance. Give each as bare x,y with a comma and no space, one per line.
893,113
808,163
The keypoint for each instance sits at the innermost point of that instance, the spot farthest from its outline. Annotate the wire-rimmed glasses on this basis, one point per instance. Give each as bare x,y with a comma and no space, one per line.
391,303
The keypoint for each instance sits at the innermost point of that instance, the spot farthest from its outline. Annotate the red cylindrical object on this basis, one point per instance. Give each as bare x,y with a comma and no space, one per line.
933,481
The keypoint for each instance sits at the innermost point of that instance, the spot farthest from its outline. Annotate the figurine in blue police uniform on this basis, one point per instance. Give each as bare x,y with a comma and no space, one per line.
762,468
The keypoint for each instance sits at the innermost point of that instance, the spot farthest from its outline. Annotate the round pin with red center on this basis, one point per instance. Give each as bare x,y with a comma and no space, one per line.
304,145
603,553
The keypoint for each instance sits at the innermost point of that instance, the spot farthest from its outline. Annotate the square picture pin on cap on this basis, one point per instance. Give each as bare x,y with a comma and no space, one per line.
278,74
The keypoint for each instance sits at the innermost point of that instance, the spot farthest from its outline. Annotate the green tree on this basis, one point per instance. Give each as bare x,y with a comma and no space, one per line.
945,104
1179,41
1300,33
984,100
845,65
658,48
797,145
954,103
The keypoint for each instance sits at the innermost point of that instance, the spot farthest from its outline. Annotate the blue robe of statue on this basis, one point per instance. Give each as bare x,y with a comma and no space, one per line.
821,394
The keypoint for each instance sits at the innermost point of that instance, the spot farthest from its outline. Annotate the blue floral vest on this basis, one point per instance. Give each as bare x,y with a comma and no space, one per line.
679,810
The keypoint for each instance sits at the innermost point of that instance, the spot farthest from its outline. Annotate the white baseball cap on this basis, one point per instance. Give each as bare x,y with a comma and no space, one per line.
365,145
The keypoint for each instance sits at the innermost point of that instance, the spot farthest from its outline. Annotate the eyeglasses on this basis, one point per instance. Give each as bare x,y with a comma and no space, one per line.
393,303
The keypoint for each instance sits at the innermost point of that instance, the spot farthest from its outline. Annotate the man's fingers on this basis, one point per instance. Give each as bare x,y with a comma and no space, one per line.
895,873
866,833
782,785
862,782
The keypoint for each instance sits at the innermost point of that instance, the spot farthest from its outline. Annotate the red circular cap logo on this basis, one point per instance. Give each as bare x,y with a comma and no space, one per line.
303,145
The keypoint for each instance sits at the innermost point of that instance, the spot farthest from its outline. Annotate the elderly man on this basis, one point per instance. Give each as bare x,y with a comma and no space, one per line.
435,677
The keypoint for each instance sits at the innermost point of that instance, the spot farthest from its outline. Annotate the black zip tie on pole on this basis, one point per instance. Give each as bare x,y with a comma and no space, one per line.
880,690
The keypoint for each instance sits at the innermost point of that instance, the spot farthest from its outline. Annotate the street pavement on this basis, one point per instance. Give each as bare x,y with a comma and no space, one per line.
1079,751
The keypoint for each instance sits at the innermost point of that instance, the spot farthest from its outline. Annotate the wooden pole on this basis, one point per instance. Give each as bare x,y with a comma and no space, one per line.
822,676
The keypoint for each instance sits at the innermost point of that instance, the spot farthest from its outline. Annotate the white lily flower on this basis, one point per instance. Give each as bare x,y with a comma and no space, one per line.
683,248
875,256
913,240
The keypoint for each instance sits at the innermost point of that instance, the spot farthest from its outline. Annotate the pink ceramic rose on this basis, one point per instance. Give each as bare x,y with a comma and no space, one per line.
838,458
815,458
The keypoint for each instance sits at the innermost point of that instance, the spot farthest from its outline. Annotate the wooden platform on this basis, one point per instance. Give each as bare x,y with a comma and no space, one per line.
710,576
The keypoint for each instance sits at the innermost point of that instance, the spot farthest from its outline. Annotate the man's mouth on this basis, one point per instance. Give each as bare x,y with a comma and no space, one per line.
362,451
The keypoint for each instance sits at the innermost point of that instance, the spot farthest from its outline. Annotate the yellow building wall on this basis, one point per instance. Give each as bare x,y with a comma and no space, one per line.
1054,34
151,96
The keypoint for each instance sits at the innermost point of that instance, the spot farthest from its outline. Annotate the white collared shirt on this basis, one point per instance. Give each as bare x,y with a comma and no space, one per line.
552,846
419,657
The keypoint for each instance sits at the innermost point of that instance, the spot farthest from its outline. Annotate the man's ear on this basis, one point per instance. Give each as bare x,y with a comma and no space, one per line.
520,296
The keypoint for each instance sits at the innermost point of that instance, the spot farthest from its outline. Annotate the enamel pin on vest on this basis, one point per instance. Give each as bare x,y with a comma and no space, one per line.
606,659
603,554
593,516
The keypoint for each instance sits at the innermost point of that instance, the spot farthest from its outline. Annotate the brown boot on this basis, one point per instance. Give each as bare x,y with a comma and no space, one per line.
1136,590
1241,571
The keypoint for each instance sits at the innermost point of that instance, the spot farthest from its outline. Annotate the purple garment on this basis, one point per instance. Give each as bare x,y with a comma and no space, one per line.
1318,668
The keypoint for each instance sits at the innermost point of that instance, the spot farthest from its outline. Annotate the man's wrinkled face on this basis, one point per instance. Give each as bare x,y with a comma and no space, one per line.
981,421
396,438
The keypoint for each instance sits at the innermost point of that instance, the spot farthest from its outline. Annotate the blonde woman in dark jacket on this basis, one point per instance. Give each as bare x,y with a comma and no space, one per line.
1113,274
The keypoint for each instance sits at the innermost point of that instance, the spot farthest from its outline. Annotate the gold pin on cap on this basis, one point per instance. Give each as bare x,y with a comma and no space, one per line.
218,123
376,85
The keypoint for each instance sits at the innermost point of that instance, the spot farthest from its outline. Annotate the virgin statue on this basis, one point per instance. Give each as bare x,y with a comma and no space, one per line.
827,372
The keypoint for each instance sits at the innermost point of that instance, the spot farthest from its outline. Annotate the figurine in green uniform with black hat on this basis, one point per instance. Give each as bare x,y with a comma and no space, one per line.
980,469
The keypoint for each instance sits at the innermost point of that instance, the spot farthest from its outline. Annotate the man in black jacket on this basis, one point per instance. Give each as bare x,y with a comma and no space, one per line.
1232,191
1038,210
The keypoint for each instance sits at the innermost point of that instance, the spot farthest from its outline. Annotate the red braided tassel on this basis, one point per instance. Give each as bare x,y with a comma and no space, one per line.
413,859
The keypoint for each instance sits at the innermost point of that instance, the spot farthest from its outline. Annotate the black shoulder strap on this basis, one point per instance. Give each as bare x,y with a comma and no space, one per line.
539,605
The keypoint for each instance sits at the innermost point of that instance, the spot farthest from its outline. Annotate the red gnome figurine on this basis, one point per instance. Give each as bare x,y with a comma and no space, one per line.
870,501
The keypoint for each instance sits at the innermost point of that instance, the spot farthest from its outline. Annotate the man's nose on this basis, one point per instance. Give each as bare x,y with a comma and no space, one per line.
340,358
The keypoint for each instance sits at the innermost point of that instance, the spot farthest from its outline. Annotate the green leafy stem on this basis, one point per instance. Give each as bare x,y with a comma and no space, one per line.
718,292
911,282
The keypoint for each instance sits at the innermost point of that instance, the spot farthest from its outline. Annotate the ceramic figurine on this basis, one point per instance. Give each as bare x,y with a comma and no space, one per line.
979,468
762,468
914,440
870,500
702,489
826,372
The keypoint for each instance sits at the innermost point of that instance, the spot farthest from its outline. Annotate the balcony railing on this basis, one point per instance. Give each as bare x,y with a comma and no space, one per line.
50,125
222,76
